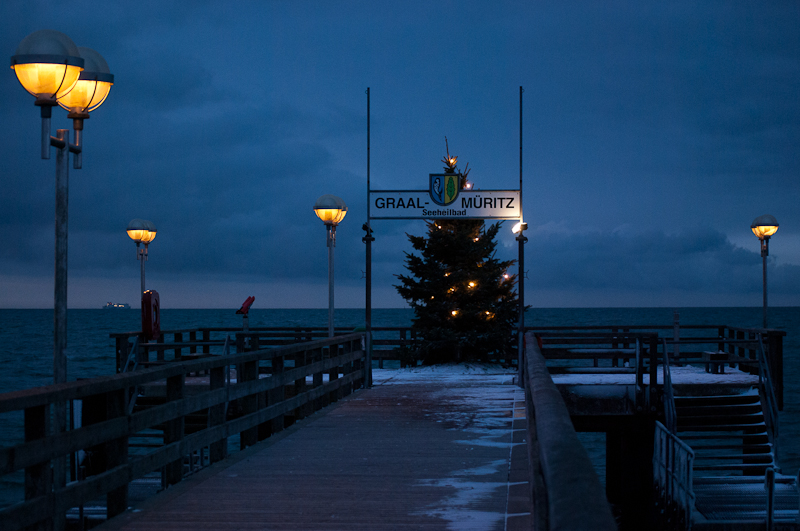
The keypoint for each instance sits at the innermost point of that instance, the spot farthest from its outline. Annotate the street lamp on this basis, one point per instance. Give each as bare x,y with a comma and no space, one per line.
764,227
141,231
56,72
331,210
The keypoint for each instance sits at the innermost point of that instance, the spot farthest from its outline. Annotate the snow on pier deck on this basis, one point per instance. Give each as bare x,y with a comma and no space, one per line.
425,448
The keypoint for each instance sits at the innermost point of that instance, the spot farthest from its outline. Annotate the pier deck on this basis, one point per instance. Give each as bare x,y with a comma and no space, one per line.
427,450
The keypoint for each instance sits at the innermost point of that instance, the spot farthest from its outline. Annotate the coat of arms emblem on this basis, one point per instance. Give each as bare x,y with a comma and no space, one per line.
444,188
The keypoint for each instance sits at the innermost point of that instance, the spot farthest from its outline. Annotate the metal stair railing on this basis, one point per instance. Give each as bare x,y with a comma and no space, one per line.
768,392
639,396
673,462
670,414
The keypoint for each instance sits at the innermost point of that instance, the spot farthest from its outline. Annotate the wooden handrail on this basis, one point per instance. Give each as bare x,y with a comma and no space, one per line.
567,482
108,434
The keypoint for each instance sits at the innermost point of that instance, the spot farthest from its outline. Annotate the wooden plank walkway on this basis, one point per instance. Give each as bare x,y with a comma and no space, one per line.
423,449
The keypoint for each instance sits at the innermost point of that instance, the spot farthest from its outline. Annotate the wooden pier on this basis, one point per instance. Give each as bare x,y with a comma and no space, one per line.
428,452
423,448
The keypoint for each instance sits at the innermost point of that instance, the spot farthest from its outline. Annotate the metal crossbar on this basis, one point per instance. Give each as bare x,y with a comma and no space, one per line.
673,461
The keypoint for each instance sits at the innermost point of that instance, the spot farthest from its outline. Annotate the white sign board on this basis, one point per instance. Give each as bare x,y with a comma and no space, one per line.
468,204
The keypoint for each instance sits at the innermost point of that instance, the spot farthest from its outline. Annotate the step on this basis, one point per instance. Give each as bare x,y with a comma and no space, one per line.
721,409
737,432
755,458
739,466
755,448
753,438
742,420
713,453
687,401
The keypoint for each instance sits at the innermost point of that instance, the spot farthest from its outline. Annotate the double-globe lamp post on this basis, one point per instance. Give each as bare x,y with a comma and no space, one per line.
141,231
764,227
331,210
57,72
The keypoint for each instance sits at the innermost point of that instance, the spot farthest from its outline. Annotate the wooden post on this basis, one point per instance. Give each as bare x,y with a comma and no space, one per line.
117,451
300,385
614,345
403,346
347,368
206,339
265,428
216,415
316,356
249,403
173,429
123,348
278,394
629,470
178,338
38,479
239,342
333,374
192,339
144,353
160,350
721,344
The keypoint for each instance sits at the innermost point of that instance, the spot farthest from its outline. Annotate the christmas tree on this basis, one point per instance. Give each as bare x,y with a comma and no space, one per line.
463,298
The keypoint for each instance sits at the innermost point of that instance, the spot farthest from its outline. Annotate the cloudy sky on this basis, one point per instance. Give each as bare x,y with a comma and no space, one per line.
654,133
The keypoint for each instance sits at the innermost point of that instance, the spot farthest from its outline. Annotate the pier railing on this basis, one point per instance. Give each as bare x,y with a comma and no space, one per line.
398,344
740,346
192,409
390,343
597,351
563,480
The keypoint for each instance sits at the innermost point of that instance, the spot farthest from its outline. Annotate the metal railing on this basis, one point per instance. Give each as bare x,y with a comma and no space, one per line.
768,392
670,414
673,462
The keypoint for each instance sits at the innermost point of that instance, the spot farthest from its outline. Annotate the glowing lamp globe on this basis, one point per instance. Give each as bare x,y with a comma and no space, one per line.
330,209
520,226
141,231
150,235
92,87
764,226
47,64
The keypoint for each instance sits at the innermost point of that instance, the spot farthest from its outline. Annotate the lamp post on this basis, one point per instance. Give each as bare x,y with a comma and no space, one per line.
519,229
141,231
57,72
331,210
764,227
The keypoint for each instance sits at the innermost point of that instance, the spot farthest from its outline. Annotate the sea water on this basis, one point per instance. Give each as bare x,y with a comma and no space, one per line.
26,347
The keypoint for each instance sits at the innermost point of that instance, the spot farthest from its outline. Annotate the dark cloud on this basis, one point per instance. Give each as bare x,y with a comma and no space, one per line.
661,130
698,261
